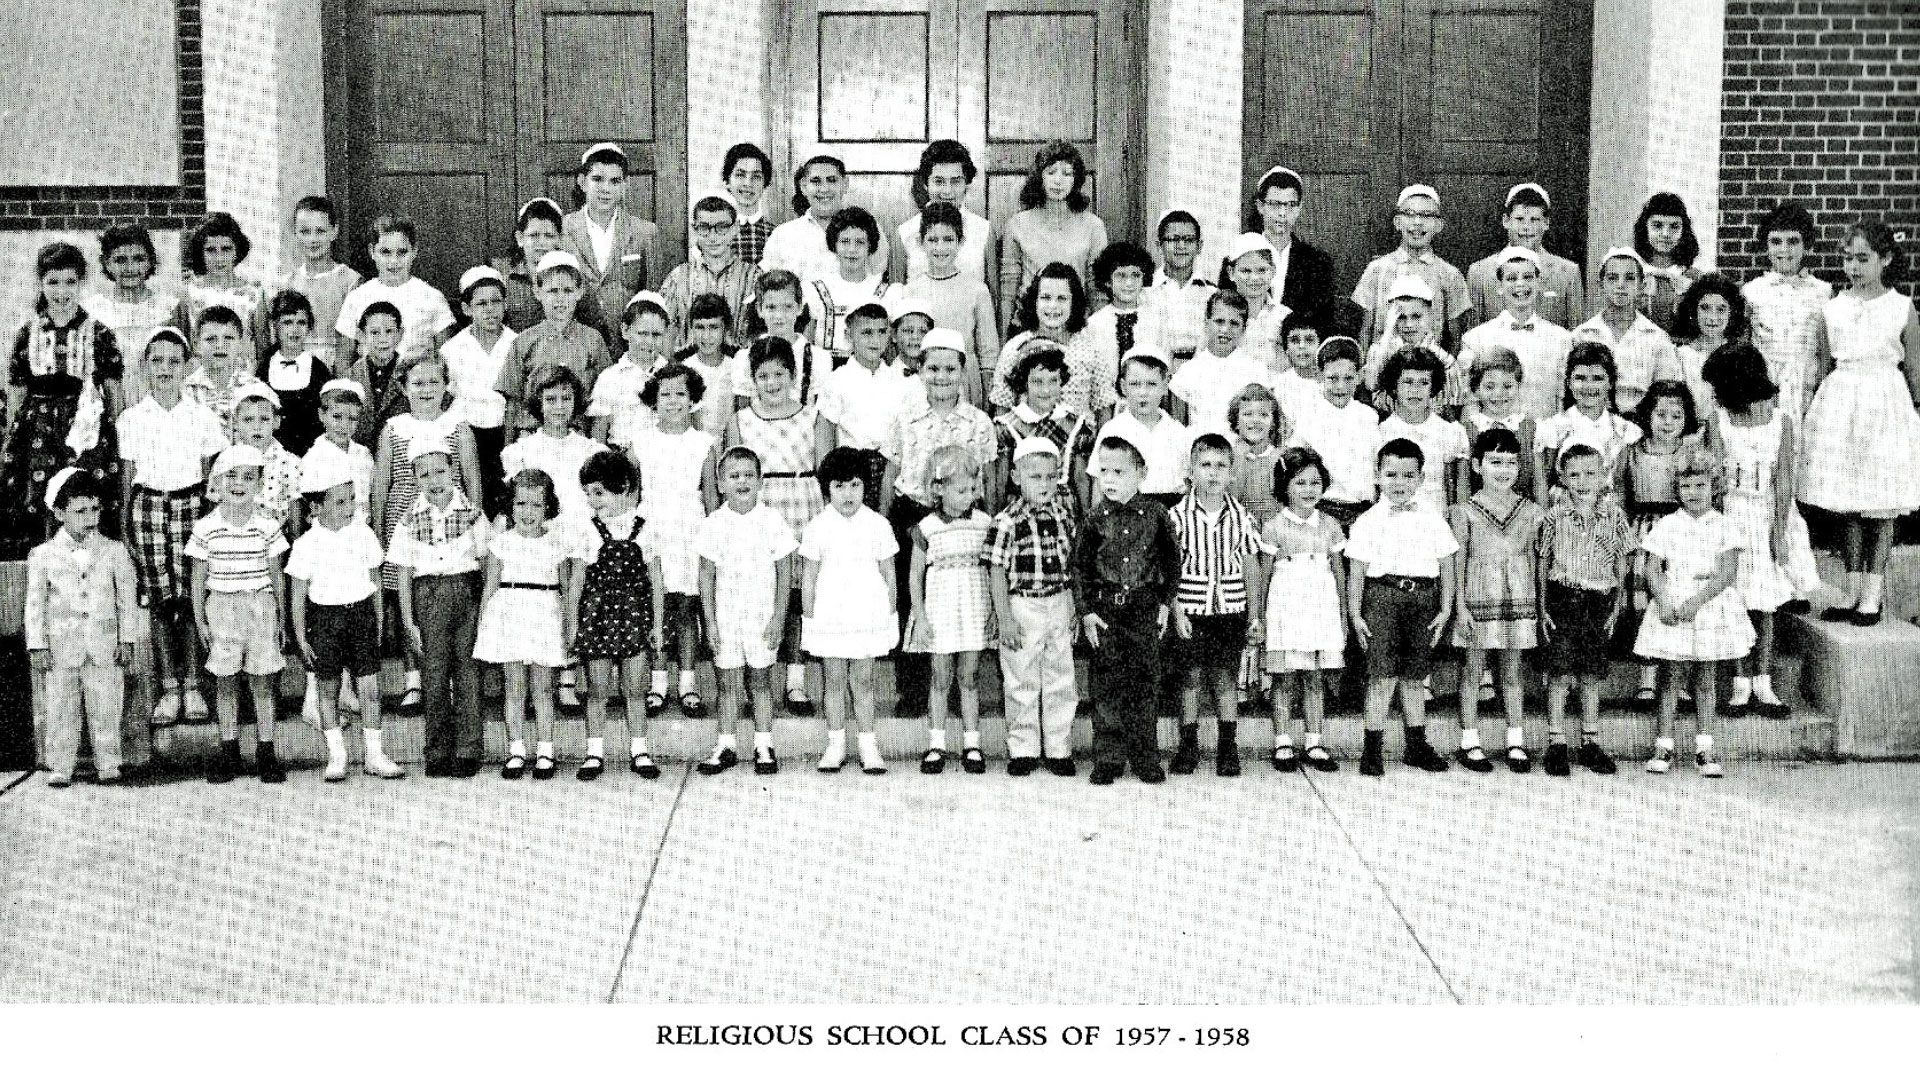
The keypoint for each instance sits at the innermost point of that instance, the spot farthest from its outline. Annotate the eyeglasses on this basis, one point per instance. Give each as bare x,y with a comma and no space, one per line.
1418,216
701,229
1269,204
1181,238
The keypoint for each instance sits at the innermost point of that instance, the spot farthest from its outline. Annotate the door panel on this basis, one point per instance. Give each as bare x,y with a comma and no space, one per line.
605,71
432,143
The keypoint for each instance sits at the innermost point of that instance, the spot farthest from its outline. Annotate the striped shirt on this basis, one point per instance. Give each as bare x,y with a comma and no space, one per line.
238,556
1214,548
1584,549
1033,543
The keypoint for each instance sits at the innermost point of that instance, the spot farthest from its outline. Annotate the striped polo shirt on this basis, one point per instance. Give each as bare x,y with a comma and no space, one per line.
1214,549
237,555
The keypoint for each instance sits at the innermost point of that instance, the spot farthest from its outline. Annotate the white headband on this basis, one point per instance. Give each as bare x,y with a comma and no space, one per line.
1414,191
602,148
1528,186
530,203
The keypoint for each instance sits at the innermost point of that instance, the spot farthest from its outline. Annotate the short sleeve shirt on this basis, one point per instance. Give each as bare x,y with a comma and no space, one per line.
1409,542
237,555
169,447
1165,445
745,549
336,564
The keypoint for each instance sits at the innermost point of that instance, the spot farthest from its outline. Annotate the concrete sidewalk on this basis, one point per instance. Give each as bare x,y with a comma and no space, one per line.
1780,884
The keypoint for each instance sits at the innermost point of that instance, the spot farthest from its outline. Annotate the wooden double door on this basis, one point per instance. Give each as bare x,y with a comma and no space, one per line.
1363,97
873,81
458,111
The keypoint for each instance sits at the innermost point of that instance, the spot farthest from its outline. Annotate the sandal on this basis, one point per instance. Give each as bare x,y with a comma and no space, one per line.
543,768
514,769
692,705
1319,758
973,761
934,763
643,767
656,704
1643,699
798,703
590,769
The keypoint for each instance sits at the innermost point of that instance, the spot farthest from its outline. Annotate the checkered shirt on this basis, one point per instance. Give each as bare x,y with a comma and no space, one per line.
1033,543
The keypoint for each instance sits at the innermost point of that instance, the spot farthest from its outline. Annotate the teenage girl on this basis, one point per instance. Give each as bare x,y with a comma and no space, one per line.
1663,237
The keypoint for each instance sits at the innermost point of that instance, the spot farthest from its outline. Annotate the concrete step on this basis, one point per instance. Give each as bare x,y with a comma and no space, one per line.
1866,678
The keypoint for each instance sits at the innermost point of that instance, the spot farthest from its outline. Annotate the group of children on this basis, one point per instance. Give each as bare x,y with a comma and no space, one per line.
790,471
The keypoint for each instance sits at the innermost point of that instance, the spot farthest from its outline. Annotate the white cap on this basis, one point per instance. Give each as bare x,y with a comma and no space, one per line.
556,259
644,296
1622,253
351,386
259,391
1280,170
529,204
238,456
713,193
419,448
1410,287
1034,444
479,274
1144,350
324,472
1249,242
1161,221
168,332
59,481
899,307
604,147
1516,253
1528,186
1412,191
944,337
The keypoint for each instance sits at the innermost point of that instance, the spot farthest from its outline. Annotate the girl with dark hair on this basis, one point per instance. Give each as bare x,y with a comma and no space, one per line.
1054,225
945,175
128,304
801,245
1711,314
1054,311
1784,305
746,171
211,256
1663,237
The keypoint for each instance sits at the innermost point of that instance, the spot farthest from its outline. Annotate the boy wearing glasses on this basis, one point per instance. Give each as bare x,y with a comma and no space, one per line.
1417,218
1302,273
1179,296
715,267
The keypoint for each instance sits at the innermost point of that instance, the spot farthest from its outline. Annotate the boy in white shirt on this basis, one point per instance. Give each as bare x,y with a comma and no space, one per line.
1539,344
1343,431
1163,441
1209,381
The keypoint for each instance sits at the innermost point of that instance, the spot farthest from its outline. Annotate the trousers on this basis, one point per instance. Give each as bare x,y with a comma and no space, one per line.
90,695
1125,675
1038,677
446,608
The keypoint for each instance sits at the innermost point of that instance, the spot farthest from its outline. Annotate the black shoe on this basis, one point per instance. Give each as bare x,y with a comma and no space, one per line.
466,768
1474,760
799,705
227,766
720,762
544,768
1373,755
643,767
1864,618
1149,771
1795,607
653,704
1322,759
439,770
1186,758
514,768
590,769
1518,761
933,763
972,760
1106,772
766,764
1022,766
267,764
1594,759
1773,710
1285,759
1735,712
1062,766
1838,614
1558,761
1421,755
1226,760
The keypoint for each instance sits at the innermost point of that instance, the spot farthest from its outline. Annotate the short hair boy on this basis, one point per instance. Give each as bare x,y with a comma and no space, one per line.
1526,217
1029,553
560,339
1585,552
1161,441
1417,218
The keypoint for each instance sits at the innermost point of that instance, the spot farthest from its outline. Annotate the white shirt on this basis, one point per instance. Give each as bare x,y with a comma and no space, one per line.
863,403
1441,440
1345,438
474,371
620,527
800,245
1642,355
601,238
616,395
337,564
1610,434
1296,393
359,462
1409,543
1541,347
558,458
1207,383
170,447
1165,445
424,313
1180,310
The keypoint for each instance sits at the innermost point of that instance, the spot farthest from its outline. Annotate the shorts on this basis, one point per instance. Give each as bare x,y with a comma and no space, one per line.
1577,644
342,637
683,616
243,633
1399,625
1216,644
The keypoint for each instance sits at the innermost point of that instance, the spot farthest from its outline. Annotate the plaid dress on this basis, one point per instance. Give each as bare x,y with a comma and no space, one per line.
400,431
1501,592
786,462
1691,547
958,609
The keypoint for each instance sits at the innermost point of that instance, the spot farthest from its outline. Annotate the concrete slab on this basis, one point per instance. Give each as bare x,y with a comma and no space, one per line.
367,891
962,888
1778,884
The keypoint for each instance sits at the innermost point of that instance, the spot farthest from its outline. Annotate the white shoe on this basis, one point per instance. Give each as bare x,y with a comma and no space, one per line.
166,711
380,765
349,700
871,762
194,707
836,755
1660,762
336,768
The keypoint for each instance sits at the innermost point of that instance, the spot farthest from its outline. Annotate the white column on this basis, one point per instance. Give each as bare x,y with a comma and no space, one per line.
726,79
1194,83
238,43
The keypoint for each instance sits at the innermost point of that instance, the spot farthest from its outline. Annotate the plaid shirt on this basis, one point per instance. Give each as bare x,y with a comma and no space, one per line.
1214,548
432,541
750,244
1583,550
1033,543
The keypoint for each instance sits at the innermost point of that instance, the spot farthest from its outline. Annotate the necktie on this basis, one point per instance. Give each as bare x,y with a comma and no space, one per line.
1123,325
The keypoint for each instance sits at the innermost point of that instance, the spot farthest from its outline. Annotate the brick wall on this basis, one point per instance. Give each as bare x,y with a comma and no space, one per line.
1820,104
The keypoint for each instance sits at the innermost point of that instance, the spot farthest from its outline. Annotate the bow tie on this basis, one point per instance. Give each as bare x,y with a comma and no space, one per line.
1402,508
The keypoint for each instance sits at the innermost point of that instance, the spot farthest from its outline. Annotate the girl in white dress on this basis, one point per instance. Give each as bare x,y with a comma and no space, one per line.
848,603
130,306
528,568
211,255
1697,618
678,486
1590,417
1306,630
1862,455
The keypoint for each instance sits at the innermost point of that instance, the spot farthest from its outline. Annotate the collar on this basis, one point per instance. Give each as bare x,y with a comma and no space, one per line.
700,261
65,540
1297,519
1407,507
1585,516
1421,257
612,222
1532,323
457,503
1060,413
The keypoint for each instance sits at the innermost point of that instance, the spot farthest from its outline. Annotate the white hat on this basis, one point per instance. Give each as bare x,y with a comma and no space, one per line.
713,193
1145,351
324,472
899,307
1528,186
1410,287
257,390
351,386
479,274
1280,170
238,456
59,481
1516,253
1034,444
644,296
1412,191
1249,242
556,259
171,334
1160,222
944,337
419,448
1623,253
530,203
604,148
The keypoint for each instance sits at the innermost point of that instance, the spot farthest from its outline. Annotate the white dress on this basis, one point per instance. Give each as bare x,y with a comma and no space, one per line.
1691,547
1748,467
851,617
522,625
1304,630
1862,452
670,474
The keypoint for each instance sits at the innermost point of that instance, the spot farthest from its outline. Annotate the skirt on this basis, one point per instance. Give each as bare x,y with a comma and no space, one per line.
958,611
1719,631
1763,584
522,626
1862,446
613,626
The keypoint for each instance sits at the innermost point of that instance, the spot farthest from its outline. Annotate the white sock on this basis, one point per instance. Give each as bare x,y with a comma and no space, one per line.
636,746
1516,736
936,739
1763,688
686,683
1742,690
567,677
762,740
372,738
1313,739
797,677
970,740
1281,738
1664,742
869,746
543,749
413,680
1647,676
336,743
1469,738
1870,587
659,685
725,742
1703,744
837,741
517,748
596,746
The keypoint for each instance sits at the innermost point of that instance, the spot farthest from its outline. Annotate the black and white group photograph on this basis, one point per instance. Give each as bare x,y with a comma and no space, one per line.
1070,505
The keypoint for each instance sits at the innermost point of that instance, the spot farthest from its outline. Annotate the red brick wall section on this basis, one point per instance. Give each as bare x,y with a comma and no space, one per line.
35,209
1820,105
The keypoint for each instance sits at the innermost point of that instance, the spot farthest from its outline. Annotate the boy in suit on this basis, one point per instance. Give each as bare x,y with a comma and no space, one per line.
615,249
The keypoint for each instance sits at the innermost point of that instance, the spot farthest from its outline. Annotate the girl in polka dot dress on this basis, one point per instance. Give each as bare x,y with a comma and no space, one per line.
615,612
952,609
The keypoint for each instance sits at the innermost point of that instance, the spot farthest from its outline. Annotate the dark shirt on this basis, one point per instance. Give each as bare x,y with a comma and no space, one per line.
1126,546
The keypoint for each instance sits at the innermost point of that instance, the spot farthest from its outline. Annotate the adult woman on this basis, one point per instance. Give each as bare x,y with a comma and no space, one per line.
1054,224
